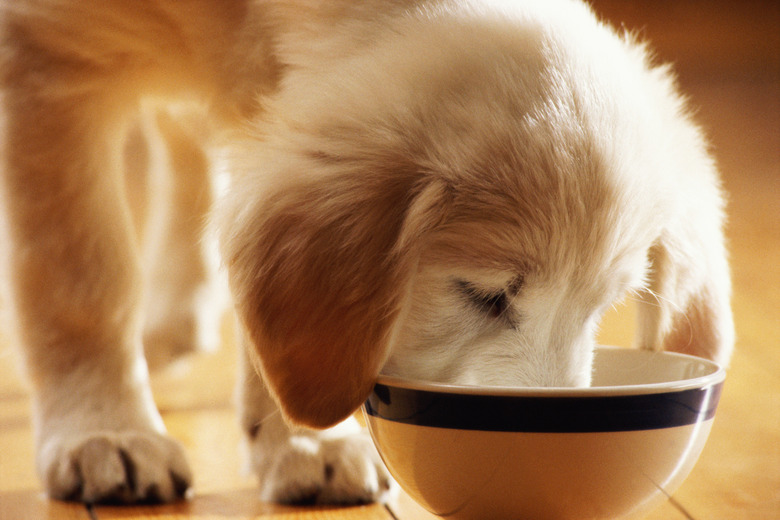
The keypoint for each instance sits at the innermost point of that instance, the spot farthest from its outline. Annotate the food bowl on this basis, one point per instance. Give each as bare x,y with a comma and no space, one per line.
614,450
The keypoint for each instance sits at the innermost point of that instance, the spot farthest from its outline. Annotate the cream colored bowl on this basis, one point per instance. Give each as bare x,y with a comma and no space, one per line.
611,451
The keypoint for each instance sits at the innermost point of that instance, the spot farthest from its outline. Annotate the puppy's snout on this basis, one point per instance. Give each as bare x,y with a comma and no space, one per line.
539,373
556,376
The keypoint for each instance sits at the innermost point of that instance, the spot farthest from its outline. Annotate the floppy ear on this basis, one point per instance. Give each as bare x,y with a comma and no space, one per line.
319,269
686,304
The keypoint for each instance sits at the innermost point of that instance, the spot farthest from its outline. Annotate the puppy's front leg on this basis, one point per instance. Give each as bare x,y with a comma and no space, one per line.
303,466
76,287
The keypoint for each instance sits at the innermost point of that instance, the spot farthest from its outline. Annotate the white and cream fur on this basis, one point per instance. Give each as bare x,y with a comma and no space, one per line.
442,189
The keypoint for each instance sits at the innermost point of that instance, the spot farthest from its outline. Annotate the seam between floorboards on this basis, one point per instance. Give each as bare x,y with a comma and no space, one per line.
391,513
677,505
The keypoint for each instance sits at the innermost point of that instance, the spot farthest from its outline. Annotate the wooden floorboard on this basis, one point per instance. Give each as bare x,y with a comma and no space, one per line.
239,504
729,64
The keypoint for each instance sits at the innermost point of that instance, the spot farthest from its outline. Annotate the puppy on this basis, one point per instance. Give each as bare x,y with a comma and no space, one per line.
445,189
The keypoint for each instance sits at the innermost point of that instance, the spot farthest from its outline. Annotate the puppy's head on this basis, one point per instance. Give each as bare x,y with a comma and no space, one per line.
461,201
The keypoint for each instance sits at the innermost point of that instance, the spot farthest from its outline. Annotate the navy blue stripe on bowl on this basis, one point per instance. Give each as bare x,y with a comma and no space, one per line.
544,414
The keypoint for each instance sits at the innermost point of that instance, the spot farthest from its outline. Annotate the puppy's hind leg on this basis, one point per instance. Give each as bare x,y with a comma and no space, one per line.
184,302
303,466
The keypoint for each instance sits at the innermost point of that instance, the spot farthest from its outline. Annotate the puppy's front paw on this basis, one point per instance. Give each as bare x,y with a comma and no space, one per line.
310,469
115,467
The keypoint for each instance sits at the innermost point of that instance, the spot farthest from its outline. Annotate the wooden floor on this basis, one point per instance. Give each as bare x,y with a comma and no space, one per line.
729,64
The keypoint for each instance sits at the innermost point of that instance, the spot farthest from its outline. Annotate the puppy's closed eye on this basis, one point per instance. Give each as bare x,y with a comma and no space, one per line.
494,303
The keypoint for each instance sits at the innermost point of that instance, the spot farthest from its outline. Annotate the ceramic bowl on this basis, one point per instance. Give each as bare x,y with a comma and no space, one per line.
613,450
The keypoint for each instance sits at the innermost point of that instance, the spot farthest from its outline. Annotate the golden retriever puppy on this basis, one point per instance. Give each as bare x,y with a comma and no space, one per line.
447,189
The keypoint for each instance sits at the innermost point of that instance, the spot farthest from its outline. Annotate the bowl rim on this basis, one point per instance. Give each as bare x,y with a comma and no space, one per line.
716,374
